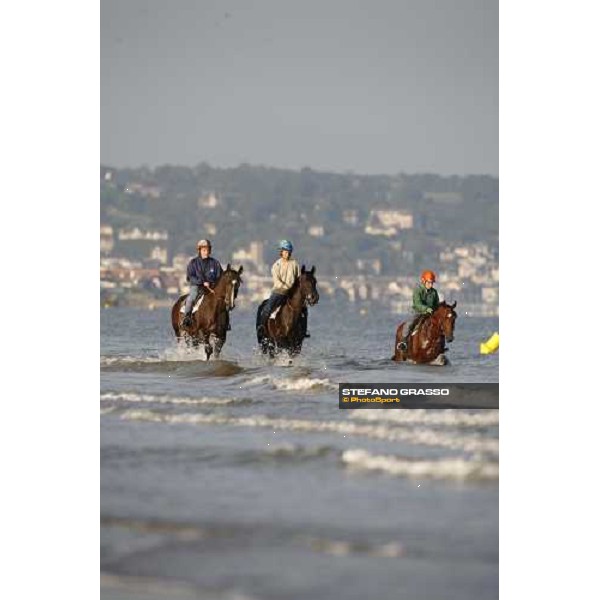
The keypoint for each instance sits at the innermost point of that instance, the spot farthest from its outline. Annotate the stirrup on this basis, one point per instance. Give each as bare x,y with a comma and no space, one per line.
187,320
402,345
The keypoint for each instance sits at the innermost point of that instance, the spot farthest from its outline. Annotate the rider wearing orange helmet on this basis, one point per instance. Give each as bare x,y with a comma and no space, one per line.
425,301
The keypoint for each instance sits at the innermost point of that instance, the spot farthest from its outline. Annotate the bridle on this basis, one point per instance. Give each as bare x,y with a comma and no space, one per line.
229,293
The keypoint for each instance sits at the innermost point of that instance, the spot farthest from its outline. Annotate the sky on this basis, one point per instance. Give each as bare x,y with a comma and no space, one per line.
370,86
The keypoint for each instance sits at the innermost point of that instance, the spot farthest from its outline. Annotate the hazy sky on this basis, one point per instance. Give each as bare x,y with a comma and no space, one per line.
373,86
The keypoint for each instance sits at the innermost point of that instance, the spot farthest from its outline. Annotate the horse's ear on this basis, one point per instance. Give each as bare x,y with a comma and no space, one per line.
302,269
312,271
228,266
241,269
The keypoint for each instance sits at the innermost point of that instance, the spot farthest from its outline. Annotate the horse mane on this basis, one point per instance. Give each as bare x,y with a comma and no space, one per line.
222,281
295,286
230,269
296,283
435,320
444,304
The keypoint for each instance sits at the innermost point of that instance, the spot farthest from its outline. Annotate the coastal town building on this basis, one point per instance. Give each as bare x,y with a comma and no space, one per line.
388,222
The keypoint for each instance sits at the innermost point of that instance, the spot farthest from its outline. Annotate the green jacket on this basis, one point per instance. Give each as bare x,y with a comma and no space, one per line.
424,299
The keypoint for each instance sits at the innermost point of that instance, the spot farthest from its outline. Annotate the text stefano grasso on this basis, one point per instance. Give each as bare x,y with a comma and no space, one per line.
395,391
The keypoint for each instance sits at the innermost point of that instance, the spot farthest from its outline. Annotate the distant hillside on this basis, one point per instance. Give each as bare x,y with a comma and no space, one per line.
405,221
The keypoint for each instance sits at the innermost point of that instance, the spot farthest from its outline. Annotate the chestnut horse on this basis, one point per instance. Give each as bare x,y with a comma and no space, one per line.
288,329
211,320
427,343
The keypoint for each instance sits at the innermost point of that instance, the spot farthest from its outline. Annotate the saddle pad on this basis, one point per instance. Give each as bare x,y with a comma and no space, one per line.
418,326
196,306
274,313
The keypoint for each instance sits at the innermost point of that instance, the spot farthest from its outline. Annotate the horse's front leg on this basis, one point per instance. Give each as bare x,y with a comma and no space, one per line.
443,343
218,345
399,355
207,346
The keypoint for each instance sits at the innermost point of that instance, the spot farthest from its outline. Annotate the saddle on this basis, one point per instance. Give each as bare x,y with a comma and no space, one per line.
196,305
422,320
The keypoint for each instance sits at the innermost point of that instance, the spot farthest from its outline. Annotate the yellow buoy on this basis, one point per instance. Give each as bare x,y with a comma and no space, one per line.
491,345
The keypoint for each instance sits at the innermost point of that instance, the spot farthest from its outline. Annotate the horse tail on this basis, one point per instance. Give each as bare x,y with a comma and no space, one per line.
175,314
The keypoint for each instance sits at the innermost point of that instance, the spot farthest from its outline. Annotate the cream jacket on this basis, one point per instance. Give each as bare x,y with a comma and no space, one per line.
284,275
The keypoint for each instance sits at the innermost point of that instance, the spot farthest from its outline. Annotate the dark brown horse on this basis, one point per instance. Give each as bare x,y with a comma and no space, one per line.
288,329
211,320
427,343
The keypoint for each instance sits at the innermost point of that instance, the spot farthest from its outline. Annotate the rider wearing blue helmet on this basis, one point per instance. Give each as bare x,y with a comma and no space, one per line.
285,271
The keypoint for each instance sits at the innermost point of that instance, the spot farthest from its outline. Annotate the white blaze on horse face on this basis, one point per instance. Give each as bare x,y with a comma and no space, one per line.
232,297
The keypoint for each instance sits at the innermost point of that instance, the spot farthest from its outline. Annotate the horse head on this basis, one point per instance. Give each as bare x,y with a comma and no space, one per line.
308,286
232,281
447,317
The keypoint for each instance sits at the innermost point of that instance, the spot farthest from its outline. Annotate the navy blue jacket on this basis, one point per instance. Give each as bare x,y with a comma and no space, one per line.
201,270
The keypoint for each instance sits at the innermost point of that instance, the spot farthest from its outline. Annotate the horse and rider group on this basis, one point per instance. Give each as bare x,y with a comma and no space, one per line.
202,316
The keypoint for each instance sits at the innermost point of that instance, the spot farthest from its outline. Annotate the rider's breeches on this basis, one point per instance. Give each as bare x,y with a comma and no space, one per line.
193,296
272,303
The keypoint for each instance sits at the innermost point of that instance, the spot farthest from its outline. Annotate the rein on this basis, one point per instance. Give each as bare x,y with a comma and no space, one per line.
302,304
434,327
295,289
220,296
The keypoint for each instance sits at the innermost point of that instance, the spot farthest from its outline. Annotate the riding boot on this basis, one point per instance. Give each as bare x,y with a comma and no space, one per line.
187,320
403,343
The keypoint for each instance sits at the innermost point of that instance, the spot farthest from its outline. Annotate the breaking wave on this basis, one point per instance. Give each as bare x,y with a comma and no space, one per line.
446,468
290,384
190,368
166,399
446,418
107,361
427,437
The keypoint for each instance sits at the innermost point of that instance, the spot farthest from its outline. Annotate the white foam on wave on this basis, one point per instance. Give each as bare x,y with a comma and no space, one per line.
421,416
164,399
115,360
427,437
347,548
303,383
446,468
290,384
